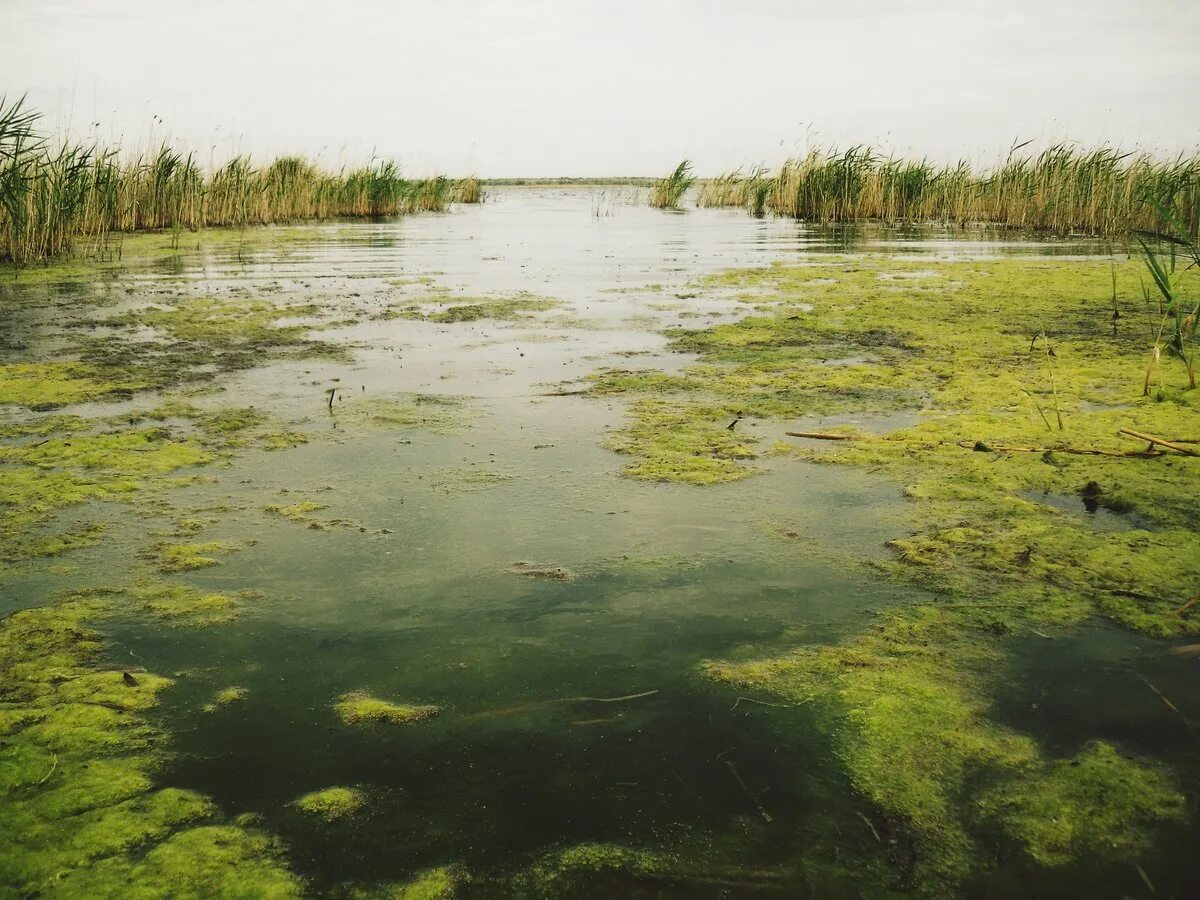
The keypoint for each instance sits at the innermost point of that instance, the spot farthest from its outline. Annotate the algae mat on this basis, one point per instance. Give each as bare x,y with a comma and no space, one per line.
470,556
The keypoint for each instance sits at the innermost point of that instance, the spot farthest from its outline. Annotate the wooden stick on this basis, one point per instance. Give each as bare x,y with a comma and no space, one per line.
761,809
982,447
821,435
1170,445
1187,606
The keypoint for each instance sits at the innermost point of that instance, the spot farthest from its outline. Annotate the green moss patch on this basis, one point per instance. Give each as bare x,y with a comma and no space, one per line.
44,385
83,816
359,707
471,309
331,804
426,412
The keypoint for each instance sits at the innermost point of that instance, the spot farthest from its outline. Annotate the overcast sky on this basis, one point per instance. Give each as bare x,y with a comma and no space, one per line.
594,87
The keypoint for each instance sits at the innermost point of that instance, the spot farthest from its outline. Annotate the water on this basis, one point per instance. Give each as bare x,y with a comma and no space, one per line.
420,606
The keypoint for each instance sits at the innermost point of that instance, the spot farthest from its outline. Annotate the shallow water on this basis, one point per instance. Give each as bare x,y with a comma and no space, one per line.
415,602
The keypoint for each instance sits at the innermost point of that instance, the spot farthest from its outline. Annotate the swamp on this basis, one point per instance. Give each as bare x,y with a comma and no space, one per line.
505,552
828,529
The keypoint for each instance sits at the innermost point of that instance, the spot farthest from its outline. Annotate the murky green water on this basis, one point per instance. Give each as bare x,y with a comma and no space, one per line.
415,600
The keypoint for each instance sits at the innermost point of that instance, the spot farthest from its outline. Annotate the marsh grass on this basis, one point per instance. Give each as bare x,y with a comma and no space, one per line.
667,192
1169,251
1063,189
53,199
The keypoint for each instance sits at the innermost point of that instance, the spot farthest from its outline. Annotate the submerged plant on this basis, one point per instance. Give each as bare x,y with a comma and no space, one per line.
668,191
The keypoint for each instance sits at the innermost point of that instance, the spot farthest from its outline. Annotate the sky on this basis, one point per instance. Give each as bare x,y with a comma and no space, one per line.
537,88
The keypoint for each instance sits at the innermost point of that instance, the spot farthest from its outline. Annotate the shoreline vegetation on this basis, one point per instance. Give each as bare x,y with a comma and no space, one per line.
1063,190
54,198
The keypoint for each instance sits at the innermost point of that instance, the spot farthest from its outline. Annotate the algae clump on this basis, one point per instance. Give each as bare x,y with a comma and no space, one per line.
331,804
358,707
83,816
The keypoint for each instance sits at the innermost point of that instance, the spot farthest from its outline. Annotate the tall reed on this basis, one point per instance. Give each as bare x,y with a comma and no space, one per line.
667,192
52,197
1062,189
1170,251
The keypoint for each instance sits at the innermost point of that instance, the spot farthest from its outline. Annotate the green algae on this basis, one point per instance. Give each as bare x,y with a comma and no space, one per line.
427,412
906,706
469,480
282,440
83,816
205,861
331,804
301,513
45,385
39,480
1097,803
570,871
906,703
179,604
228,326
688,443
226,697
359,707
171,558
448,310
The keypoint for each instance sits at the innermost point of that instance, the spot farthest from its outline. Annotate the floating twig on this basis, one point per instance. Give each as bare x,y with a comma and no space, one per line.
870,825
1161,442
1171,706
765,703
1185,607
822,435
753,799
53,766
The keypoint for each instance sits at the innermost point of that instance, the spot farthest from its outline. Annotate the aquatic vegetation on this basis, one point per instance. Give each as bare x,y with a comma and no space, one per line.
331,804
358,707
183,605
1063,189
45,385
35,546
282,440
451,309
906,705
567,872
230,334
469,480
432,884
1180,231
52,198
750,191
684,442
302,514
469,190
171,558
43,478
82,813
1098,802
428,412
667,192
225,697
532,570
907,701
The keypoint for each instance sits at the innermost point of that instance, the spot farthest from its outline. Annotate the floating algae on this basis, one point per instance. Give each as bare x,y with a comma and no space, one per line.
359,707
907,700
226,697
331,804
83,815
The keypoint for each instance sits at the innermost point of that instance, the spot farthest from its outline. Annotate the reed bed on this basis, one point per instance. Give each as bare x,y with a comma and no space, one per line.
667,192
1063,189
54,197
